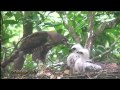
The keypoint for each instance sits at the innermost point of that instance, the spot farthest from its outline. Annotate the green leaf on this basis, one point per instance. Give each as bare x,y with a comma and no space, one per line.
9,14
10,22
17,16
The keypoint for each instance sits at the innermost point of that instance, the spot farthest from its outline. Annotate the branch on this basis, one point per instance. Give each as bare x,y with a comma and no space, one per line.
89,41
107,25
11,59
107,51
1,25
71,30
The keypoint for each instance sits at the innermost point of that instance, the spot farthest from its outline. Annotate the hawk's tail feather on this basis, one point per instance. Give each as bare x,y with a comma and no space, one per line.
11,59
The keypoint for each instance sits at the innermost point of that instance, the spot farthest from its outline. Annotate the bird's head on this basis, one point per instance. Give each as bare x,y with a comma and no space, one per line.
57,38
84,53
76,47
64,40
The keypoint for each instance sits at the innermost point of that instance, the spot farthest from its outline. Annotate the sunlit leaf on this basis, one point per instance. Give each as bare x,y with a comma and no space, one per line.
10,22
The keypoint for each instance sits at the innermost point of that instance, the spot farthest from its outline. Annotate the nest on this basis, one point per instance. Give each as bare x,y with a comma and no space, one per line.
103,74
109,71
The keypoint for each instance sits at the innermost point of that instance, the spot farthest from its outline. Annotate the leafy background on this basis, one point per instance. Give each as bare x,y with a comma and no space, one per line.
12,32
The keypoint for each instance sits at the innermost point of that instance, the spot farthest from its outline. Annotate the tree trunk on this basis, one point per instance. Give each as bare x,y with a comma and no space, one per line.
27,23
27,29
90,33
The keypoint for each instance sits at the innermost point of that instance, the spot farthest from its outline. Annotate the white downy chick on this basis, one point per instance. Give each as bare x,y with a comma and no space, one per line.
74,55
91,67
71,59
82,63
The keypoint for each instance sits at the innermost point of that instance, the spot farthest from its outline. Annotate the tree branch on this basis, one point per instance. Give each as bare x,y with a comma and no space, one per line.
107,51
89,41
1,25
107,25
71,30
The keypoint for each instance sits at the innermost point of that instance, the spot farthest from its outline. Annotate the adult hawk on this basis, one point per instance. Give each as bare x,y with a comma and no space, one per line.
38,44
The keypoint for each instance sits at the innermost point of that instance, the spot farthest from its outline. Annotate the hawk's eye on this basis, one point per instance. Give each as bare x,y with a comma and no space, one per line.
73,49
63,40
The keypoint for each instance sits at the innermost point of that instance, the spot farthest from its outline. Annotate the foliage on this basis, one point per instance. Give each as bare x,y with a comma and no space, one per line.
51,20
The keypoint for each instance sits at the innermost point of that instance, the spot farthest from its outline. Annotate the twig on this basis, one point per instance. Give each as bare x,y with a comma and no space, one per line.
14,54
16,45
4,53
71,30
100,72
107,51
107,25
75,76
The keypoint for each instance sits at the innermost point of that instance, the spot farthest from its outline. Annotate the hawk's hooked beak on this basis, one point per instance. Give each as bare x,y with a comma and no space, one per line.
65,42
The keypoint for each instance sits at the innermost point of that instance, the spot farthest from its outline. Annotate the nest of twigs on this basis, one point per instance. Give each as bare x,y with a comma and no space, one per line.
96,75
109,71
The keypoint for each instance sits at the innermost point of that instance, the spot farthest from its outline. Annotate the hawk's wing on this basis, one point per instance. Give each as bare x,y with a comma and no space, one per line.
33,41
36,54
40,52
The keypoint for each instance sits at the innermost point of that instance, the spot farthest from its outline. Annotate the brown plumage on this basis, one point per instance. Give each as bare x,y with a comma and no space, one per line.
38,44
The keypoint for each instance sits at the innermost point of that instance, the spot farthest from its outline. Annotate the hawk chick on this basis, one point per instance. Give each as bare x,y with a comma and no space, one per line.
83,63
